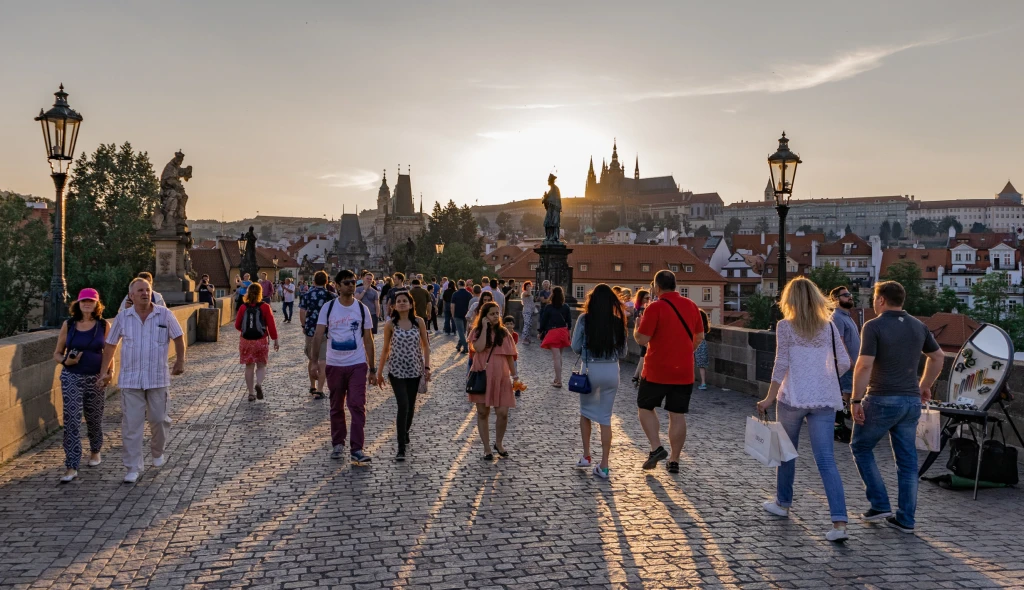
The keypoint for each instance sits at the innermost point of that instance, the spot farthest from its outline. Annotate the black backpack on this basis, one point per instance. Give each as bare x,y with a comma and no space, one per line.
252,324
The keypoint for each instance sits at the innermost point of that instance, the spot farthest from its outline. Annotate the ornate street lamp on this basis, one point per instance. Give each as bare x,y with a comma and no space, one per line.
782,165
439,247
60,133
241,245
275,260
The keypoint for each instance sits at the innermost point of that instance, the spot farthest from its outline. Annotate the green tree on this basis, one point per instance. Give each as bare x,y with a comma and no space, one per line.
702,232
979,228
947,300
532,224
687,226
504,221
885,232
761,225
110,205
950,221
483,223
285,274
897,231
458,261
608,221
828,277
989,294
806,228
848,230
759,308
25,265
732,227
919,301
924,227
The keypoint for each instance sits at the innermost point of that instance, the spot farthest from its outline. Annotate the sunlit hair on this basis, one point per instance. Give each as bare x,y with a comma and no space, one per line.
641,295
395,315
78,315
605,326
805,307
131,285
527,285
489,297
625,294
481,323
254,294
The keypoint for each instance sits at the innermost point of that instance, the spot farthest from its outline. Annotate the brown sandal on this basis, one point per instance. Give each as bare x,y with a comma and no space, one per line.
252,397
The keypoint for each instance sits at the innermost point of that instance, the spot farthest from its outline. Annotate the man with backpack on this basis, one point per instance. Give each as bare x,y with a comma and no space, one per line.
671,329
312,301
347,325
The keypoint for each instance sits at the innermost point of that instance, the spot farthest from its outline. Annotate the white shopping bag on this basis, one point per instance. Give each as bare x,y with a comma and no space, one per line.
929,431
782,447
768,442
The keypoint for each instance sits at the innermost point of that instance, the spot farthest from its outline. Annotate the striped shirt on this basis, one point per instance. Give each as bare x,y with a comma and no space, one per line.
144,350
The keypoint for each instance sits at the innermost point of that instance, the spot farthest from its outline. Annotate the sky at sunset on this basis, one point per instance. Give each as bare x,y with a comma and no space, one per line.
295,108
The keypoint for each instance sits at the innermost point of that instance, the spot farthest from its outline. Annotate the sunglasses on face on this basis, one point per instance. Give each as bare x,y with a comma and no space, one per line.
841,295
348,283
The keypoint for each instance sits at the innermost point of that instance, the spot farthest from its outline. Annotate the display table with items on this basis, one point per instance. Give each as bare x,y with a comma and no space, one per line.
977,382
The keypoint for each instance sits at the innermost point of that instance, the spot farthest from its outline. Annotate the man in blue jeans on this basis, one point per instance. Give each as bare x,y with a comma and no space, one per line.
459,308
848,331
890,351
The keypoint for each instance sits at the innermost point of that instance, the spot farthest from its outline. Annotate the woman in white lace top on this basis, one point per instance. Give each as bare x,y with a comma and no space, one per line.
809,358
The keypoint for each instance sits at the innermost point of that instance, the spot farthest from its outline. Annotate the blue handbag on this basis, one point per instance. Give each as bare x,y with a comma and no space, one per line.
579,381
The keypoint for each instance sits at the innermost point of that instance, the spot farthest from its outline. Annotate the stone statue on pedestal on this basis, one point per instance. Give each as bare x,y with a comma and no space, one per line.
249,264
171,212
552,202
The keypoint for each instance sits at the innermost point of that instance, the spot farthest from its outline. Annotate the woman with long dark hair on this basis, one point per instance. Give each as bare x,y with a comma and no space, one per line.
80,353
255,321
407,357
600,337
529,308
494,351
555,320
640,301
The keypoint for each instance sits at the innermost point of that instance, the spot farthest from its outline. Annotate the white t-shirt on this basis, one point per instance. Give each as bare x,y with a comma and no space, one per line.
289,293
344,336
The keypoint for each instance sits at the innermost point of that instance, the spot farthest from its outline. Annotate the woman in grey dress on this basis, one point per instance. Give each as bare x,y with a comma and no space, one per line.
600,338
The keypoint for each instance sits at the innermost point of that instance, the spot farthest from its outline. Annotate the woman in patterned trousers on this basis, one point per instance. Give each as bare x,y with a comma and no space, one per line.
80,353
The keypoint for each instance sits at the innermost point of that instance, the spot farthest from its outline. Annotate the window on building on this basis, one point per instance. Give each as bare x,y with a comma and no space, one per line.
645,268
959,257
688,268
684,291
584,267
581,292
533,266
706,295
617,267
673,267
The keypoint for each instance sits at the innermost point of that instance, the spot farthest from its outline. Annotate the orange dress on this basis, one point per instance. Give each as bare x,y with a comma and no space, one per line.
499,380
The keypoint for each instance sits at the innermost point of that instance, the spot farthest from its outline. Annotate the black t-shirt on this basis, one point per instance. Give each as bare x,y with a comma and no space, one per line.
896,339
461,299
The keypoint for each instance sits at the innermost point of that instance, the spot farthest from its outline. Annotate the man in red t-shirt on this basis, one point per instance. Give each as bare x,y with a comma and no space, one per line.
671,329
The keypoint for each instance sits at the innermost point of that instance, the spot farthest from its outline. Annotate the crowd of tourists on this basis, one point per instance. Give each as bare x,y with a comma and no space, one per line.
872,371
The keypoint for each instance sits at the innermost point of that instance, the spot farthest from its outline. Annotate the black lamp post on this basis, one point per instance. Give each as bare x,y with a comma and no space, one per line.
60,132
439,249
783,165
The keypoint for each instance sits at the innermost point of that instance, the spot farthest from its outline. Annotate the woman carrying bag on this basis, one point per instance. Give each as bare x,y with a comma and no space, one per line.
489,384
555,320
809,358
407,357
255,321
600,339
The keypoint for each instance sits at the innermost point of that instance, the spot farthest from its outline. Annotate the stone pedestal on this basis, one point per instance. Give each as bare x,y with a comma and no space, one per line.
554,266
171,278
208,325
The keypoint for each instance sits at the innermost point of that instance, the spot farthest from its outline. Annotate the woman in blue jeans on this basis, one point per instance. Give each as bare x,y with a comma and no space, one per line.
809,358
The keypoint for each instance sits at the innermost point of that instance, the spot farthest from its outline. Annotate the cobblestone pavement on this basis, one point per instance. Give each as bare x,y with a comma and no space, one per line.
250,498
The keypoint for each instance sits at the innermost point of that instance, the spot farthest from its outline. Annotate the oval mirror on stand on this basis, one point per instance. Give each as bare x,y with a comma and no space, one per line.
981,368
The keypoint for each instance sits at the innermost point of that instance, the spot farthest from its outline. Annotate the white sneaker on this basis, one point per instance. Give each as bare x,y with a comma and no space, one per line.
131,477
837,534
602,473
775,509
583,462
95,462
159,461
69,475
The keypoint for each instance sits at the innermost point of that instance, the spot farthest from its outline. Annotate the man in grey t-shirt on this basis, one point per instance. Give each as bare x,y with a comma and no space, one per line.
369,296
886,372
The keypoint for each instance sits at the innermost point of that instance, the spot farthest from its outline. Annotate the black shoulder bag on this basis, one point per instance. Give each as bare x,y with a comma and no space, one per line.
477,380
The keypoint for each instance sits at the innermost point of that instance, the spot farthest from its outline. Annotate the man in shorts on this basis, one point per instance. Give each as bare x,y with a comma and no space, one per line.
309,311
671,329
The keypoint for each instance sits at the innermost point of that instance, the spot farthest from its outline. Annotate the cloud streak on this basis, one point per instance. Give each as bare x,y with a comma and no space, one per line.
360,179
782,78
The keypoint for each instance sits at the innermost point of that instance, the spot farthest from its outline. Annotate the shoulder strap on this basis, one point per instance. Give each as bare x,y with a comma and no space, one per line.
330,307
362,316
835,355
680,318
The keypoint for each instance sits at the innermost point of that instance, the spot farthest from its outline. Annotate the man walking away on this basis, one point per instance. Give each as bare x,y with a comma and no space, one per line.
843,301
309,311
671,329
459,308
886,372
146,330
350,364
288,296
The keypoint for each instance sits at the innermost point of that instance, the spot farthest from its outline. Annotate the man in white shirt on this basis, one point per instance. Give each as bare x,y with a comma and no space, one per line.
288,294
146,331
350,363
157,298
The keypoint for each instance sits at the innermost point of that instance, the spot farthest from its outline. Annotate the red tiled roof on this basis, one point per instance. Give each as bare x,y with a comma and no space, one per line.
859,246
797,247
951,330
984,241
1008,189
207,245
601,258
710,198
696,245
945,204
927,259
209,262
503,255
265,257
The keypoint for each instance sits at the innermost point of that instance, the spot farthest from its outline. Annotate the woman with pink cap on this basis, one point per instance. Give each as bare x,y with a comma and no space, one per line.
80,353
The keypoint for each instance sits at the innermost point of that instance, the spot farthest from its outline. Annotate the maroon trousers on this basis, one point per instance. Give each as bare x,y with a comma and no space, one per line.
347,385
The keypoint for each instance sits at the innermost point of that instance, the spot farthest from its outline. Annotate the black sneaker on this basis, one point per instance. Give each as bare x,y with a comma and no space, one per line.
899,525
673,467
873,515
401,455
656,455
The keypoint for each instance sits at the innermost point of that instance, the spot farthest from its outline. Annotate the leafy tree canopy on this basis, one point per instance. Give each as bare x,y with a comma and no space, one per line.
702,232
504,221
532,224
759,306
608,221
924,227
950,221
828,277
25,265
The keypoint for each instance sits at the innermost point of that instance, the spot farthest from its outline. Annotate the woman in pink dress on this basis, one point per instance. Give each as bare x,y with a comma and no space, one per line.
494,351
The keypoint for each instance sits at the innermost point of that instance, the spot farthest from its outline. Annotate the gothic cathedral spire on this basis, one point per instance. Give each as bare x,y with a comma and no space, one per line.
591,188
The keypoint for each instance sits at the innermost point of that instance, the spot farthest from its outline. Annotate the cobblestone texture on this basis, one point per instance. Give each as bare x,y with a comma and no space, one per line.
250,498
